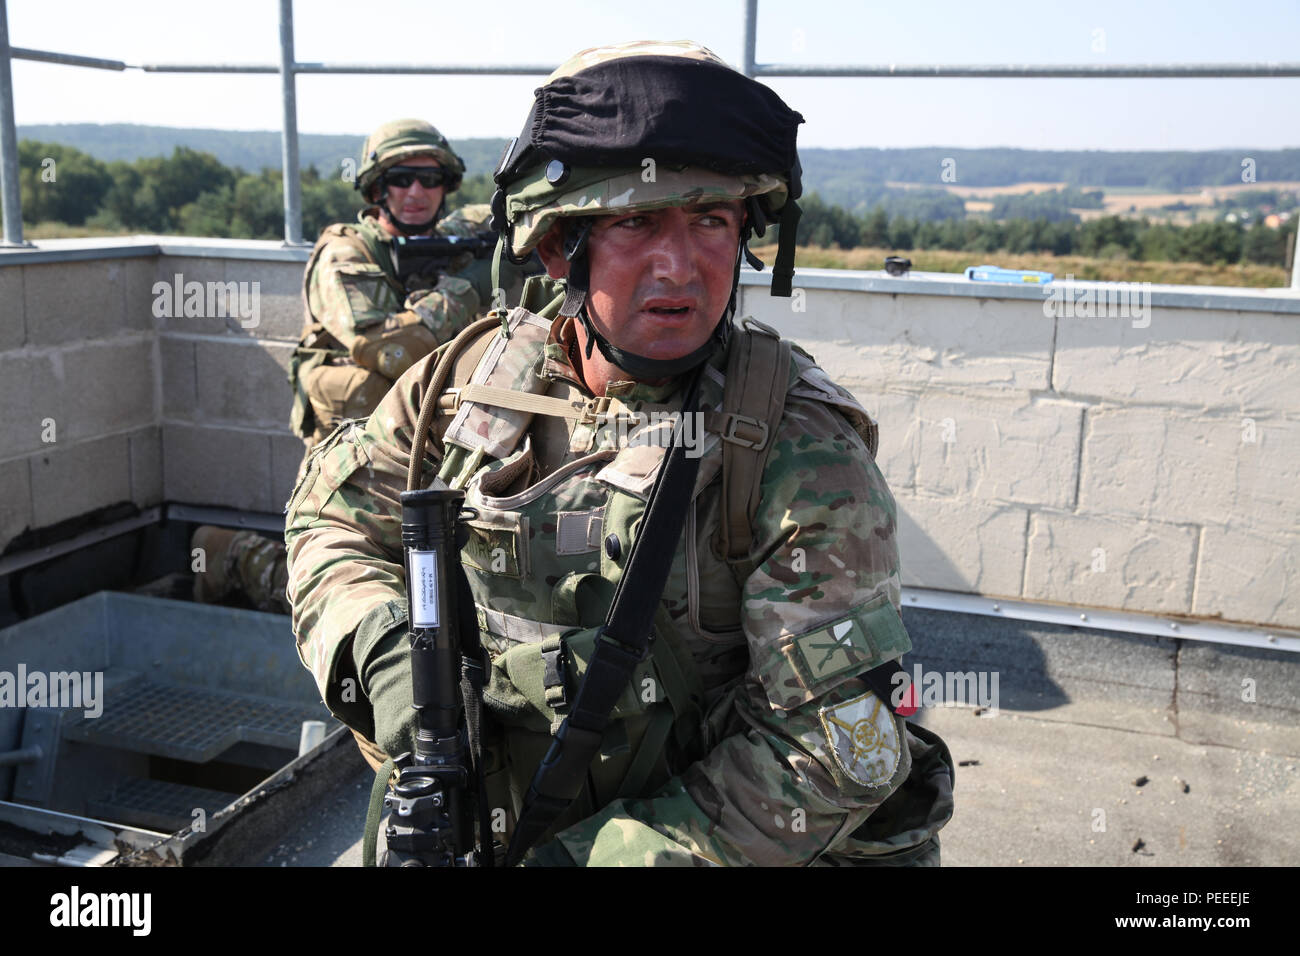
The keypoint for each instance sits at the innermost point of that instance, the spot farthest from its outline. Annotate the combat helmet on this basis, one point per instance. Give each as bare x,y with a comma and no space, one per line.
642,126
399,140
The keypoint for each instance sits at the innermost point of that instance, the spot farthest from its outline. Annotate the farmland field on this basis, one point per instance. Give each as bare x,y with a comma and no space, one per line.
1081,267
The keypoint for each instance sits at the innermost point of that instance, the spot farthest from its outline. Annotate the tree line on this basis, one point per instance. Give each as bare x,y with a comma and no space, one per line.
845,176
1109,237
193,193
840,176
188,193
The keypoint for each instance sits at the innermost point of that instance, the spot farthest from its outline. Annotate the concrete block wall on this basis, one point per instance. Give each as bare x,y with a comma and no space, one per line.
225,403
1144,464
78,389
107,398
1147,466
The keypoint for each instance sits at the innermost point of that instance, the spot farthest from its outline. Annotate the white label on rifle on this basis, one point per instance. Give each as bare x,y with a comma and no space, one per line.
424,588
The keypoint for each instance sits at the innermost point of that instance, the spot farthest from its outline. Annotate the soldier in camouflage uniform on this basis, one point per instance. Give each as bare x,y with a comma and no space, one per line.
751,735
363,326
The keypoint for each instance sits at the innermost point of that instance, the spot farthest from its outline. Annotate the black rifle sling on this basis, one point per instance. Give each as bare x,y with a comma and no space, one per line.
624,643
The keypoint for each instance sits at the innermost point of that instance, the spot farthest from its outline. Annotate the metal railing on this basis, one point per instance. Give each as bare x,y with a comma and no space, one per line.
289,68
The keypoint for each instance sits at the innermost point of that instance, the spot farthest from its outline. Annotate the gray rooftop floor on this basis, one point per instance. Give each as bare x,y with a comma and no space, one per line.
1034,797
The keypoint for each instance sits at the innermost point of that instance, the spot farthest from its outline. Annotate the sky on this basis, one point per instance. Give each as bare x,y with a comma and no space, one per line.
847,112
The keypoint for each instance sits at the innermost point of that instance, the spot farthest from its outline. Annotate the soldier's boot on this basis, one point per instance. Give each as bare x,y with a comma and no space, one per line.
241,561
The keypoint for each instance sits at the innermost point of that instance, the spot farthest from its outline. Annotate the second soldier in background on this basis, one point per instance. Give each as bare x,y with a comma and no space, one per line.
364,324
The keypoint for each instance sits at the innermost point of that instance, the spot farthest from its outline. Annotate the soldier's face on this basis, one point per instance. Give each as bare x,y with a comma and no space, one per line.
660,280
415,203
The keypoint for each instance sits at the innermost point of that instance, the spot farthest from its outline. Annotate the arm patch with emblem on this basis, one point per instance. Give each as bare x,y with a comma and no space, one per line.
863,738
866,636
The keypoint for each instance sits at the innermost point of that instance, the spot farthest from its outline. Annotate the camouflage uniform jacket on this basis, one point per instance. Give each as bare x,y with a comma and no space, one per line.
797,751
349,295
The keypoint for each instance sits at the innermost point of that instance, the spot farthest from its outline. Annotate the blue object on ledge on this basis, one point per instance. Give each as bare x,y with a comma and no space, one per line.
998,274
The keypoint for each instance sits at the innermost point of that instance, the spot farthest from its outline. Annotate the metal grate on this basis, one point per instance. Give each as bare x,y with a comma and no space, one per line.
190,723
158,804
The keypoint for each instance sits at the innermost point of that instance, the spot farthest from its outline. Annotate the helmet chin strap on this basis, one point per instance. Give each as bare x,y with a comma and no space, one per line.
638,366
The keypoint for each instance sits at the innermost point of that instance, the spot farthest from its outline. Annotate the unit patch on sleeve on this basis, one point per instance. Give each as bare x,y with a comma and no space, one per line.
856,642
864,739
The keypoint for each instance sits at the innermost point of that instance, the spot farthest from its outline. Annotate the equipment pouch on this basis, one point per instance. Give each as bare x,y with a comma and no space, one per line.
337,392
533,685
390,349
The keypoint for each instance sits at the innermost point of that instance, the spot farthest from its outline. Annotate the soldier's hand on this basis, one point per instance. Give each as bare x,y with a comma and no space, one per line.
381,651
446,308
420,282
394,346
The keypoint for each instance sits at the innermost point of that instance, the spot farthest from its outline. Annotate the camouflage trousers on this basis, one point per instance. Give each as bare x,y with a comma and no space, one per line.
258,567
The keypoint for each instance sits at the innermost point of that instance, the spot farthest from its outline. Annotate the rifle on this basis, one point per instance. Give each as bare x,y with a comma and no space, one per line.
431,255
439,789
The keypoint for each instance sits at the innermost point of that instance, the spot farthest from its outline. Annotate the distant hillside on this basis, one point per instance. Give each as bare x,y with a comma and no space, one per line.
250,150
852,178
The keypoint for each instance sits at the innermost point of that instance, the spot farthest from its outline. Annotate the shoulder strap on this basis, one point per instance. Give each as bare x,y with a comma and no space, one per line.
758,377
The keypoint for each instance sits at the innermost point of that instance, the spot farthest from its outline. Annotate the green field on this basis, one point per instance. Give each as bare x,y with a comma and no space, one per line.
1081,267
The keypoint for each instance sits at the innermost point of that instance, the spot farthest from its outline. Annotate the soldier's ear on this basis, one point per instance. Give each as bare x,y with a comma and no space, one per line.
551,252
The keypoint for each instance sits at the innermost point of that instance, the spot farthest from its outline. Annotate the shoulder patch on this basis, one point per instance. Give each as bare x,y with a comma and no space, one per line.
863,739
866,636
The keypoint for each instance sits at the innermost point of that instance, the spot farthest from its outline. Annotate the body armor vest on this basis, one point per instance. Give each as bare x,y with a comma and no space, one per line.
546,550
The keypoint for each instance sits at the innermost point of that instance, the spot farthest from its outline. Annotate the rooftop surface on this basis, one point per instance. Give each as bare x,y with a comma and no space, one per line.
1028,796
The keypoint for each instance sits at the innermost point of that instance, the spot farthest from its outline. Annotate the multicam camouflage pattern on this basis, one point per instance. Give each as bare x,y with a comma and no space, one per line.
533,204
402,139
250,563
362,328
775,648
356,302
352,296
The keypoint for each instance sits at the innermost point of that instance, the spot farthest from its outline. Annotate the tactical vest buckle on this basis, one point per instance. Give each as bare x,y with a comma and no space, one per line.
594,409
557,695
735,421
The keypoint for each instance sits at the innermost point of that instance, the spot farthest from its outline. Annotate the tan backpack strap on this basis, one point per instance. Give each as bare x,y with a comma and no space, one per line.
587,410
758,375
522,401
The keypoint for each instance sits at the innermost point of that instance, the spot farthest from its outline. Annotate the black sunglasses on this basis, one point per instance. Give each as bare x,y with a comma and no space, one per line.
401,177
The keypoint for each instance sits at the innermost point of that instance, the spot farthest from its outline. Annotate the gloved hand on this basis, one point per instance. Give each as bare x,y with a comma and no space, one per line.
394,346
446,308
381,651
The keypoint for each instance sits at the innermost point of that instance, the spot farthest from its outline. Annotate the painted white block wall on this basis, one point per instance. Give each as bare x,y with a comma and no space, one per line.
1018,442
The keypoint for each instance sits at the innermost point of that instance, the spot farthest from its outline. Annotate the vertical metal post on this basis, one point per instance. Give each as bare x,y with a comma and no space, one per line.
289,136
751,38
1295,259
10,199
